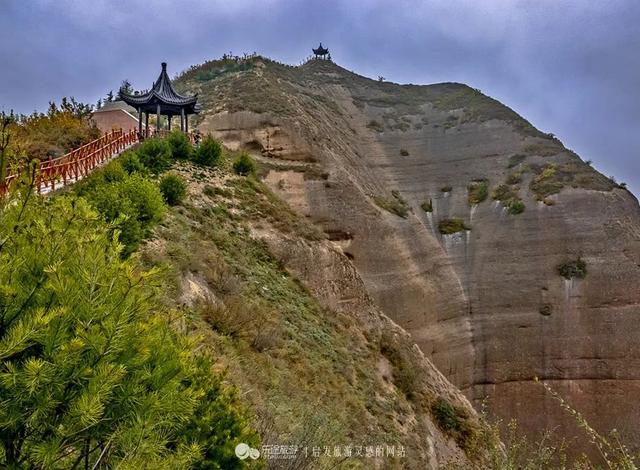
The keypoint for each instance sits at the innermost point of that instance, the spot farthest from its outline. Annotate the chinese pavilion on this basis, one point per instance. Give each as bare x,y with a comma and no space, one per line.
320,52
162,100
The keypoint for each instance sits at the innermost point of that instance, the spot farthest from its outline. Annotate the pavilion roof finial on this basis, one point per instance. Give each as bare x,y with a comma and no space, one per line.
164,66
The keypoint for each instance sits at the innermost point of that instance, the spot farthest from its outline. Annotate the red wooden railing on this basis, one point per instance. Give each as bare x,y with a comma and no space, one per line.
78,163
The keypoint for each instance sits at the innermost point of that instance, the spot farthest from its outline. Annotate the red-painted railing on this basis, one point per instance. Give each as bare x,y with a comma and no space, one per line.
78,163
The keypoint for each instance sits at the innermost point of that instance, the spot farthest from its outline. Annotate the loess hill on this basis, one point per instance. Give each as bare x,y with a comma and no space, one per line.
503,254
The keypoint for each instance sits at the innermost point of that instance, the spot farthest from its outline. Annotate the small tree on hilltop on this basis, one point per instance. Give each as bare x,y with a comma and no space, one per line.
6,120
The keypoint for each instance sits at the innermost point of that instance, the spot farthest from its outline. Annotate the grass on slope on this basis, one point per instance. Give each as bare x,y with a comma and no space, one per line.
310,373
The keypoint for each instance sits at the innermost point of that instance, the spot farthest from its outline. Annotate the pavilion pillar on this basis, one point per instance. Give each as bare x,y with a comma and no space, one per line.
146,124
169,116
139,123
182,119
186,123
158,118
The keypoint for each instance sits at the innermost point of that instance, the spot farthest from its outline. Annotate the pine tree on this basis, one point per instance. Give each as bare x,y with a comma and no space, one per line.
91,374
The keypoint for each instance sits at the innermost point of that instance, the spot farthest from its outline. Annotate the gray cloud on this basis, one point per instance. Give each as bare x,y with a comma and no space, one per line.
571,67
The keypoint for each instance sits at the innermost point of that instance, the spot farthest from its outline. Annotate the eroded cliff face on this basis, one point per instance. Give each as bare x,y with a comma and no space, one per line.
379,166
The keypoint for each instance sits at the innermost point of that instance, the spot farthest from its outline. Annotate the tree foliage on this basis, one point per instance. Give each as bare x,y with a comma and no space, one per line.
181,148
155,154
91,375
209,152
61,129
244,165
173,188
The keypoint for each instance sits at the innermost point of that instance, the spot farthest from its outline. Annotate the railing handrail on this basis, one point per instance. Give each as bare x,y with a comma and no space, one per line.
81,161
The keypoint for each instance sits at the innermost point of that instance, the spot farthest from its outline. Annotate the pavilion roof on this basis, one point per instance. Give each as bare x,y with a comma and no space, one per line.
320,50
162,92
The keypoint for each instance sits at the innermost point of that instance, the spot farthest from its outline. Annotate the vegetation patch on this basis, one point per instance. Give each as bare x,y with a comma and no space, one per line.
427,205
375,126
454,422
395,204
544,149
404,152
477,191
446,189
244,165
573,269
515,206
514,178
504,192
516,159
173,188
450,226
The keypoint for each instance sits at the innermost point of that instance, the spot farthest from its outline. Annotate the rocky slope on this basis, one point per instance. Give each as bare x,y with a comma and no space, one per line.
537,271
313,357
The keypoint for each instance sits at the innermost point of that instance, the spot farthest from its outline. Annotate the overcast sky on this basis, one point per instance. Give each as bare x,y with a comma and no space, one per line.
571,67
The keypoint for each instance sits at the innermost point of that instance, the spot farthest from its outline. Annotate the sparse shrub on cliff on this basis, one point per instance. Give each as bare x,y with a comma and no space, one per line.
395,204
514,178
446,189
173,189
544,149
573,269
405,376
375,126
208,153
244,165
477,191
404,152
450,226
504,192
516,159
454,422
515,206
427,205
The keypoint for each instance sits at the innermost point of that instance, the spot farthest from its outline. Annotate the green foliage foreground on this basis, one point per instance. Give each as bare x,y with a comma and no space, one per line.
91,374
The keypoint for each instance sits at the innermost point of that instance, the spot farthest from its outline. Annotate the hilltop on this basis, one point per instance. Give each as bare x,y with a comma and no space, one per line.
503,254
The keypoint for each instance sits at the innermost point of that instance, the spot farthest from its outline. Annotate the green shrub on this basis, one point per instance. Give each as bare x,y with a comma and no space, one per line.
244,164
514,178
573,269
181,148
504,192
93,371
395,204
155,154
515,206
133,205
173,189
477,191
454,422
131,163
454,225
113,172
446,189
427,205
208,153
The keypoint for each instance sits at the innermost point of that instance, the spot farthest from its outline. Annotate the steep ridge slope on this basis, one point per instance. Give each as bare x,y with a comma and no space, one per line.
288,317
380,166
